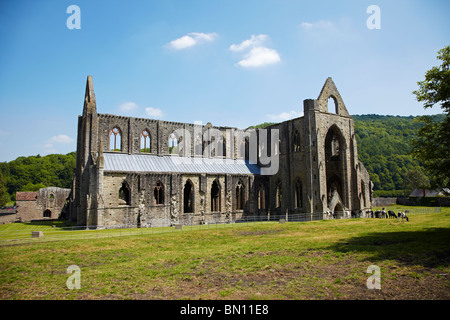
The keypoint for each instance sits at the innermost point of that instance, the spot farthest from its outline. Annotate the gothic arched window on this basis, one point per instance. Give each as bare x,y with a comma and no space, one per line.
145,141
158,193
115,139
240,196
296,147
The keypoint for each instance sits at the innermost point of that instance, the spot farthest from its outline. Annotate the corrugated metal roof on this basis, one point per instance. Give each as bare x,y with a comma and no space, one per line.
120,162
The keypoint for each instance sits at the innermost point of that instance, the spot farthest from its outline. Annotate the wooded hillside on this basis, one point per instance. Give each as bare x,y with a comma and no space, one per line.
384,147
35,172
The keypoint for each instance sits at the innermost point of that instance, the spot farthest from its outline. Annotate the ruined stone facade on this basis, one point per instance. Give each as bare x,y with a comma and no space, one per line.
151,172
45,204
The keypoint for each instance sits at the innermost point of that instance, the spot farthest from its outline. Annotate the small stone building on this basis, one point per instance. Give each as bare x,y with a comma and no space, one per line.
148,172
45,204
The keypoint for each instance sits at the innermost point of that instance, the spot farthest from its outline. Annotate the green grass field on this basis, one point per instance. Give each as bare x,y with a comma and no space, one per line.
296,260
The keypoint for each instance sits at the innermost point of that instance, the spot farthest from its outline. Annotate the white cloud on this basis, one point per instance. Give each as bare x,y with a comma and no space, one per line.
154,112
322,24
192,39
204,36
306,25
260,56
255,54
128,106
61,138
132,108
254,41
284,116
49,148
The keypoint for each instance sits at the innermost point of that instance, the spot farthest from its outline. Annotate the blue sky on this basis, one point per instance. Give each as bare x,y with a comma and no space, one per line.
231,63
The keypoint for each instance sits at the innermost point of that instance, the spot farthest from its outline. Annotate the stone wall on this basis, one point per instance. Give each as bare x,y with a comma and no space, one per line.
143,210
50,203
328,180
380,202
7,217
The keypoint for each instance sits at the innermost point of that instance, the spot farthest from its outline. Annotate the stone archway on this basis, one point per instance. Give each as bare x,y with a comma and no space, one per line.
335,155
47,214
338,208
188,193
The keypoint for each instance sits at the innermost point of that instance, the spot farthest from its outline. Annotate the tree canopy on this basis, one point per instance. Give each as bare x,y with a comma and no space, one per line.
35,172
431,146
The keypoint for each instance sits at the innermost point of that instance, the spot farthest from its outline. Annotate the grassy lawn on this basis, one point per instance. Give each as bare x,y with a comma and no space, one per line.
297,260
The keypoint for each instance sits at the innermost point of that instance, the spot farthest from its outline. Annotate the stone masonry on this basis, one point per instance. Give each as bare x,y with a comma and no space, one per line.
127,170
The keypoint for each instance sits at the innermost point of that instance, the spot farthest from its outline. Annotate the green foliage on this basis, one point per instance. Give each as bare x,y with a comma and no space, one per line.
385,147
436,86
3,194
415,179
35,172
390,193
431,145
33,187
262,125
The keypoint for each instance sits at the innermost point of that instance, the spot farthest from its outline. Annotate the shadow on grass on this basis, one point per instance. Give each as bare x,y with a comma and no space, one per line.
428,248
53,222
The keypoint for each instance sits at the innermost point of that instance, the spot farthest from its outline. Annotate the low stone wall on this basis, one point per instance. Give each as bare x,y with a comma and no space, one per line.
380,202
7,217
425,201
413,201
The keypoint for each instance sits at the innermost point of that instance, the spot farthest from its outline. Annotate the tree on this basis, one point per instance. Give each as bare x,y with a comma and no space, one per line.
415,179
432,144
3,195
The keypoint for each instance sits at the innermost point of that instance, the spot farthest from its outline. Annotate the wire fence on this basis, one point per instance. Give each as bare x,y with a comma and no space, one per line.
46,231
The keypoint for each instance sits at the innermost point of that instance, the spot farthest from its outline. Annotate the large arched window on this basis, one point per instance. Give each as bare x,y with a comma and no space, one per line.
215,197
335,154
240,196
222,144
198,147
332,146
115,139
124,194
188,193
247,148
296,147
158,193
332,105
145,141
213,146
173,144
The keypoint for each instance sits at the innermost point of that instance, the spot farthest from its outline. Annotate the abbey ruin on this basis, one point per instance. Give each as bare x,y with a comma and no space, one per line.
149,172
